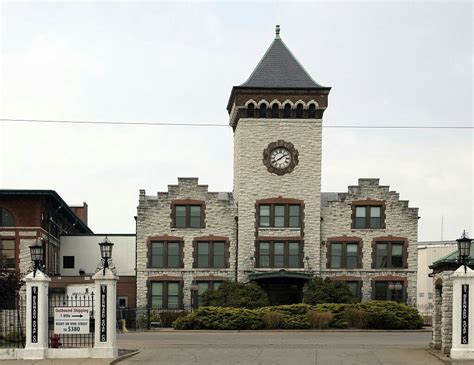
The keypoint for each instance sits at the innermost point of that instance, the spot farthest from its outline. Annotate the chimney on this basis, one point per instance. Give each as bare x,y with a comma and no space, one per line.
81,212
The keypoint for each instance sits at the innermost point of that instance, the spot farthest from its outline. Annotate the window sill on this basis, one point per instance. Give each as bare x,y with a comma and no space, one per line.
279,228
173,229
265,269
367,229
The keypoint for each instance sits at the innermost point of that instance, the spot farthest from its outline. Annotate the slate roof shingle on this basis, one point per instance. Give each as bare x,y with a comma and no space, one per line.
280,69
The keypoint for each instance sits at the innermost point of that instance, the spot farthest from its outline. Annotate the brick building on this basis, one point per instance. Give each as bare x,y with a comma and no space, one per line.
30,215
276,228
71,251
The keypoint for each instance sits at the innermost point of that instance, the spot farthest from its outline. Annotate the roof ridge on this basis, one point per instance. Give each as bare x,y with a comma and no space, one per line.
298,62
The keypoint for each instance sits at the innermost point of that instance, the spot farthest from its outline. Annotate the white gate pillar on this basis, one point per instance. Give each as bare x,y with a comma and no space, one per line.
105,338
36,342
463,314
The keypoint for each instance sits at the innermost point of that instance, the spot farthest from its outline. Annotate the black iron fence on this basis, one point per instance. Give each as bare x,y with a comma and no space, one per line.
12,323
147,318
64,336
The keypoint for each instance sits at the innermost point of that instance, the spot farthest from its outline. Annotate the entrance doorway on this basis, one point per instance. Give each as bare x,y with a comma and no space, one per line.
282,287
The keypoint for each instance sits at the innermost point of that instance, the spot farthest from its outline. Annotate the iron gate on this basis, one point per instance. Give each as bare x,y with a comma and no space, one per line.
70,340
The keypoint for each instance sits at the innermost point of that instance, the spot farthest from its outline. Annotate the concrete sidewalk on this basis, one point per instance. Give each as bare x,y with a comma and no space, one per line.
57,362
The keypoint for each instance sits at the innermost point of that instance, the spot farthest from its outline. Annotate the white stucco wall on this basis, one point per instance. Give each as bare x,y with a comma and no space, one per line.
85,249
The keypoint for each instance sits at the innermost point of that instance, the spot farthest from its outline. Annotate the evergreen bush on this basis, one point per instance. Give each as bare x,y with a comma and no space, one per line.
371,314
237,295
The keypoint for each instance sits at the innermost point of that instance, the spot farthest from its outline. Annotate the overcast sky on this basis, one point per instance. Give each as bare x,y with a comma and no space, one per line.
394,64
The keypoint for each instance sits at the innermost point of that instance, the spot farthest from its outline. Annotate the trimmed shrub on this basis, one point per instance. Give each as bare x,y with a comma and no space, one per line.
338,310
237,295
356,317
371,314
167,318
272,320
219,318
319,319
391,315
321,291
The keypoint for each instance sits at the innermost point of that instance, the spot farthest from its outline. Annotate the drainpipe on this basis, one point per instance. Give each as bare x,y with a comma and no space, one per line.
236,247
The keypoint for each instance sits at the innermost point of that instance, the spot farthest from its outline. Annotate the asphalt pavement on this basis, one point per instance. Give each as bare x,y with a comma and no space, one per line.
278,347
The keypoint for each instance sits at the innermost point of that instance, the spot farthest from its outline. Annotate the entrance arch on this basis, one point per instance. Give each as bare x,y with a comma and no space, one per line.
282,287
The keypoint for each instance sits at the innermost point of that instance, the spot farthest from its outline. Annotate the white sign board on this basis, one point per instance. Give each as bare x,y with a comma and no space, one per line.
72,320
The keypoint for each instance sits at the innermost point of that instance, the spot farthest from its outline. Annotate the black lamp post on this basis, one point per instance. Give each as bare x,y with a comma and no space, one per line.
106,252
464,250
36,252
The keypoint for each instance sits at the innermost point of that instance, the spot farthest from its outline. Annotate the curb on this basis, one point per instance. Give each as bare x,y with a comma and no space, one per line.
124,357
439,356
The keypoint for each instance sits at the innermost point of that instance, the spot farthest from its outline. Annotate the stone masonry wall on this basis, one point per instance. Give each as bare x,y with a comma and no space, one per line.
400,221
447,313
252,181
153,219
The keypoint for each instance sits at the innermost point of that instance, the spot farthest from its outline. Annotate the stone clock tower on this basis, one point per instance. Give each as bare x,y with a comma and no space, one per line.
276,116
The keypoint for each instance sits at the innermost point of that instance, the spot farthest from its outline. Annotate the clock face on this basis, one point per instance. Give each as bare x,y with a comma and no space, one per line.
280,158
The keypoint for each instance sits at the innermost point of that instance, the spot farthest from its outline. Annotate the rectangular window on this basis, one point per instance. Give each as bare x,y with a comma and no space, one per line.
165,295
389,290
264,254
264,216
166,254
195,216
204,286
7,254
180,216
279,215
365,217
336,255
210,254
68,262
389,255
355,288
188,216
279,254
344,255
294,219
122,302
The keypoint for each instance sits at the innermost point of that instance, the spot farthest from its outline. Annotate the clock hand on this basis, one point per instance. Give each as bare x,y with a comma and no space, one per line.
278,159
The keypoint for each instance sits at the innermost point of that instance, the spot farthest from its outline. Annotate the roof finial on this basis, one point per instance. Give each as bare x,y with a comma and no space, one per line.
277,32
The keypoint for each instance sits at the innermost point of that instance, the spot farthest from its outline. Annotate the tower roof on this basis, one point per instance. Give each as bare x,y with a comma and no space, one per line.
280,69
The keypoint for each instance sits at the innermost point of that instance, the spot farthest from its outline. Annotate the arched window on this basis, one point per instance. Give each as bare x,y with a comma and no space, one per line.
6,218
287,111
263,111
312,111
299,111
250,110
275,110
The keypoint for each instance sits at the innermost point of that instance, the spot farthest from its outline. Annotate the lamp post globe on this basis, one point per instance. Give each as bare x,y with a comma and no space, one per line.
36,252
106,251
464,249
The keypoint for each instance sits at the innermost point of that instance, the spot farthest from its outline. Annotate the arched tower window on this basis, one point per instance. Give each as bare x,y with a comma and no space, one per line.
275,111
263,110
6,218
287,111
250,110
299,111
312,111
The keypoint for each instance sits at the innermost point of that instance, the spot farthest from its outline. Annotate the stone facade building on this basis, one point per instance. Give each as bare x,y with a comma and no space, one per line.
276,228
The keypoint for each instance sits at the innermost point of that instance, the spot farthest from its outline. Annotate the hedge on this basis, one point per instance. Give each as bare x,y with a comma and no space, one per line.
370,314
